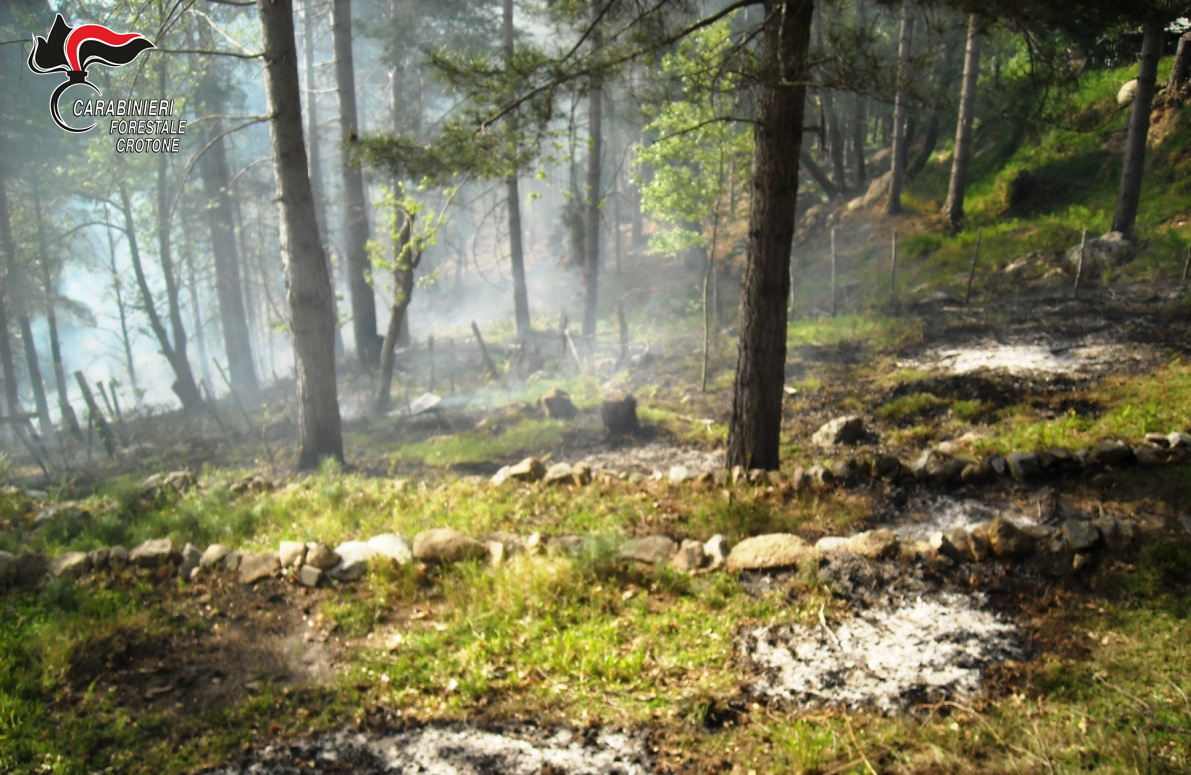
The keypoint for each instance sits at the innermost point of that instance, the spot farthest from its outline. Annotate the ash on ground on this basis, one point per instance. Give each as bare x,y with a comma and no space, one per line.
923,518
656,457
452,749
1024,358
907,643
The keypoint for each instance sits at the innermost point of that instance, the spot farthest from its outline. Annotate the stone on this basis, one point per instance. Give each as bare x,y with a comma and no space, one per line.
1023,465
1080,561
70,565
292,554
257,566
392,546
720,478
582,474
353,561
1158,439
953,544
938,466
533,544
31,569
528,470
818,474
1150,454
773,550
445,544
1178,439
978,543
690,556
119,557
739,474
873,544
1109,250
557,405
998,464
152,553
975,473
830,544
679,474
8,568
214,556
841,430
512,543
1126,93
559,473
1118,533
716,550
886,467
1080,534
321,556
190,560
619,413
68,511
496,552
100,558
310,576
571,545
652,549
1112,452
501,476
231,563
1007,540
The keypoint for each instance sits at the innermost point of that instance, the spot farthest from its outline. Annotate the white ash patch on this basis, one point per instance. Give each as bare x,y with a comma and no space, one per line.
1023,358
657,457
927,517
928,649
454,749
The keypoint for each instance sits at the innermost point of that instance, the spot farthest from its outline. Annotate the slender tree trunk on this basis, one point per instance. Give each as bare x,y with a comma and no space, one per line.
859,120
121,308
213,167
32,366
184,385
1124,217
12,399
308,291
897,156
818,175
51,295
196,316
1180,71
404,268
754,431
954,206
516,251
591,230
355,215
317,187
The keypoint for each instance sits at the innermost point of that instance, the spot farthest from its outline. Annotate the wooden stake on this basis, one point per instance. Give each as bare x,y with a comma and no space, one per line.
972,272
488,362
624,332
833,260
116,401
103,393
1083,246
574,350
105,431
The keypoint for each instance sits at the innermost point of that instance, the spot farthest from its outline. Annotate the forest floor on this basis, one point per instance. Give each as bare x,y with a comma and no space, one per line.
561,663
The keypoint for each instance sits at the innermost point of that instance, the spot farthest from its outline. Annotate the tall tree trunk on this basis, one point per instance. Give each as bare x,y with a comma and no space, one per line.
121,308
213,167
859,122
196,317
6,360
404,268
591,229
516,252
308,291
897,155
355,215
1180,71
184,386
317,187
32,366
51,295
754,431
954,206
1124,217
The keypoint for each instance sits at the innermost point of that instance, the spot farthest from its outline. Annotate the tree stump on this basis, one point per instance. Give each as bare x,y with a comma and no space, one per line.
620,415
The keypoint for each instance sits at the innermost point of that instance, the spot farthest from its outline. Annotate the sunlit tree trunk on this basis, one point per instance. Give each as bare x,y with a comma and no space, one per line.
355,215
516,251
308,293
754,430
897,155
1124,217
954,206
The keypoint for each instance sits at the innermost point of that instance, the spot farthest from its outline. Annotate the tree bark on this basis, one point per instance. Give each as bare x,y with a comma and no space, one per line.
954,206
516,250
121,309
51,294
308,288
32,366
818,175
1124,217
355,216
897,155
754,431
1180,71
213,167
860,116
404,268
6,361
591,230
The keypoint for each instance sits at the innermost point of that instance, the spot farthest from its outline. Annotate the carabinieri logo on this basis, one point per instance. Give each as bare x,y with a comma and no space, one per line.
71,50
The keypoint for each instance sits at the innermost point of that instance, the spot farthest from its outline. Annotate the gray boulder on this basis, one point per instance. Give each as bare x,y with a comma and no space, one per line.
1007,540
152,553
1110,250
1126,93
528,470
257,566
101,558
689,557
652,549
841,430
391,546
445,544
1080,534
309,576
70,565
191,557
873,544
774,550
353,561
1112,452
1023,465
953,544
291,554
716,550
559,473
213,556
321,556
119,557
